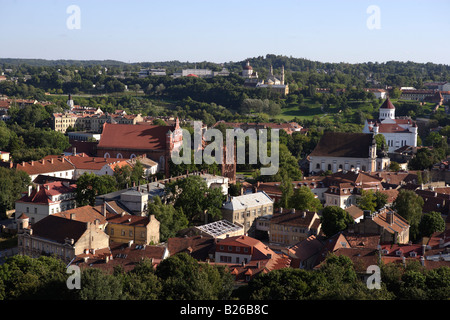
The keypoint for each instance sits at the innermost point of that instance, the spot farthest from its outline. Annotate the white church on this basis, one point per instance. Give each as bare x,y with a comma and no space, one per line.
398,132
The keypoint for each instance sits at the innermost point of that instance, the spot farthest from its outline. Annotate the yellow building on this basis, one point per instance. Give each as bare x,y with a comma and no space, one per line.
125,228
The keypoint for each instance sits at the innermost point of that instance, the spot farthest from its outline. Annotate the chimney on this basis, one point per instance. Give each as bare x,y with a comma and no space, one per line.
72,216
29,190
104,209
390,217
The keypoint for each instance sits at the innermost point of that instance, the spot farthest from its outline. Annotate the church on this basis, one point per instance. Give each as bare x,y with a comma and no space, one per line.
271,82
345,151
156,142
398,132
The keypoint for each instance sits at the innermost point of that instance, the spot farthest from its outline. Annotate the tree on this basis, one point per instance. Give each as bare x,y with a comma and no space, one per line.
372,201
194,197
184,278
394,166
13,183
98,285
430,223
89,186
335,219
409,205
287,191
171,219
304,199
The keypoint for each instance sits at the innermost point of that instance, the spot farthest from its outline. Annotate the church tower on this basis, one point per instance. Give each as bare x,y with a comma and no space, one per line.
282,74
387,110
70,102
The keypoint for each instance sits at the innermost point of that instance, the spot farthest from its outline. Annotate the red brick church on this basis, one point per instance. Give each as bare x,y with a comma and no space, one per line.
132,140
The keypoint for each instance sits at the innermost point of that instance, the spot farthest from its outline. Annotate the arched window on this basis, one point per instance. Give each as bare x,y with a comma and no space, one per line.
119,155
133,156
106,155
329,167
318,166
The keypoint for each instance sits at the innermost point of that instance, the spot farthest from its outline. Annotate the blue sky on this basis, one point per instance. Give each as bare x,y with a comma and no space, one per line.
222,31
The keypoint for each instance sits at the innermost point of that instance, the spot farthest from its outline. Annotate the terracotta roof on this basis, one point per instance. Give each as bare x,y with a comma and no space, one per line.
45,166
94,163
362,258
120,254
58,229
387,104
127,219
298,218
83,214
134,137
198,247
391,193
354,211
362,240
43,193
399,224
340,144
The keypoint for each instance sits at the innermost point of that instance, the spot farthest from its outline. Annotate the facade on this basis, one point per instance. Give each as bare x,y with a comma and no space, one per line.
247,257
398,132
51,166
391,227
129,141
46,199
61,237
273,83
246,208
126,228
96,165
288,227
339,151
344,189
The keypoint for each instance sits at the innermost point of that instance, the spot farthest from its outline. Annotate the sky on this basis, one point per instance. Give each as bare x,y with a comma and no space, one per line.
226,30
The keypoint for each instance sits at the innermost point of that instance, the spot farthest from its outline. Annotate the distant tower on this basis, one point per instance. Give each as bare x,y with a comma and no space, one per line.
70,102
387,110
282,74
271,70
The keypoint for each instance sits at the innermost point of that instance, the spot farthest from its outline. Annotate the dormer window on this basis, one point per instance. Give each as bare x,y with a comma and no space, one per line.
398,253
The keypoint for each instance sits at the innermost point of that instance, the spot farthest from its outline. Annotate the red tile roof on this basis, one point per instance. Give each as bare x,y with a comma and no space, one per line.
45,166
85,162
343,144
134,137
43,193
387,104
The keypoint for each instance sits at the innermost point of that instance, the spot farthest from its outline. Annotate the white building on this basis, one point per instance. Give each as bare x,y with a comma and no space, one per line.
398,132
342,151
46,199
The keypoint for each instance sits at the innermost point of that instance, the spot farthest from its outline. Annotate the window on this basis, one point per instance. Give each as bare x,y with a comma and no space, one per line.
130,233
245,249
123,232
111,231
230,248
